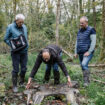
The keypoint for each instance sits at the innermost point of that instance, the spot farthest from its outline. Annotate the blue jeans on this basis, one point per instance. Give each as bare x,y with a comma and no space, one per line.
55,65
84,60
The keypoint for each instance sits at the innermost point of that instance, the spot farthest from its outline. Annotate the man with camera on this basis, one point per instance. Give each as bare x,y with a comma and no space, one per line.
16,38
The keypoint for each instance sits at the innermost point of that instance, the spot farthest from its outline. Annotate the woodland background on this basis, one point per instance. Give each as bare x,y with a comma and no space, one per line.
55,21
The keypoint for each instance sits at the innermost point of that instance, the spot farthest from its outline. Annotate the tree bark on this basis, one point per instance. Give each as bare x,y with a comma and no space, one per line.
14,7
49,5
57,22
102,54
94,14
81,9
89,2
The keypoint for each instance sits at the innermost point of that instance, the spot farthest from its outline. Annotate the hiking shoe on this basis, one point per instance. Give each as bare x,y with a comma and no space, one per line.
15,89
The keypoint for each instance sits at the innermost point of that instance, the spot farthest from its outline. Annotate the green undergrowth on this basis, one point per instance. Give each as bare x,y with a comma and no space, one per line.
94,94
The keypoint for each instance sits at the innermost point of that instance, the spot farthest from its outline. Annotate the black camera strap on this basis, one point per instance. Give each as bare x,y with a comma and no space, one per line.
22,30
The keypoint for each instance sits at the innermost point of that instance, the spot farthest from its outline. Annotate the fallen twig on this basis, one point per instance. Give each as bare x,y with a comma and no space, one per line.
95,80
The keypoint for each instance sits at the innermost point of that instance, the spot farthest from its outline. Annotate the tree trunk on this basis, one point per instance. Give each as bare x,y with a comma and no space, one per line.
49,5
102,54
14,7
89,2
57,22
37,14
81,9
94,14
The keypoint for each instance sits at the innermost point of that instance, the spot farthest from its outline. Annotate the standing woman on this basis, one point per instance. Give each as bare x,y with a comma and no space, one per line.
16,38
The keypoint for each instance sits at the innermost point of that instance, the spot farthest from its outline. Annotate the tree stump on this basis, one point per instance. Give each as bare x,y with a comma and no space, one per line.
41,91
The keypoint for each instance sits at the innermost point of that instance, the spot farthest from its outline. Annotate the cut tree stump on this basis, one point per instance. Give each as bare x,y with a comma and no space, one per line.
42,91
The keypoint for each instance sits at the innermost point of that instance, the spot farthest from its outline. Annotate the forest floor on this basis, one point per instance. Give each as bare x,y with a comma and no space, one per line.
94,94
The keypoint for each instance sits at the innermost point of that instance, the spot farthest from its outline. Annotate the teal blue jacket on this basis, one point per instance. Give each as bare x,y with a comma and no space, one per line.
13,31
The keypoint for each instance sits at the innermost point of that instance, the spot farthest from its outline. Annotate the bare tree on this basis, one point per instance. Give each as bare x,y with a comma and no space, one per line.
94,14
14,6
102,54
89,2
57,21
81,5
49,5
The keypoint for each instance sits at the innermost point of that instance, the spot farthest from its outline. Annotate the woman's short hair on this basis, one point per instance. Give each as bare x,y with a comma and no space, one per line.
19,16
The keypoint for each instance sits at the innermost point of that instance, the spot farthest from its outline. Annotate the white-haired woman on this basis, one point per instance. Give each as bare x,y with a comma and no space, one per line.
18,51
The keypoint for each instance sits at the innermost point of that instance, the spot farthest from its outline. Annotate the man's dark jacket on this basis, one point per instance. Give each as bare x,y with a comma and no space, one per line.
55,57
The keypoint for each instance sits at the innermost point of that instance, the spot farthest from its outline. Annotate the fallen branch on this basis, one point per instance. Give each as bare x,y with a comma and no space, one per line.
93,65
97,65
2,66
32,50
99,71
98,81
67,53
